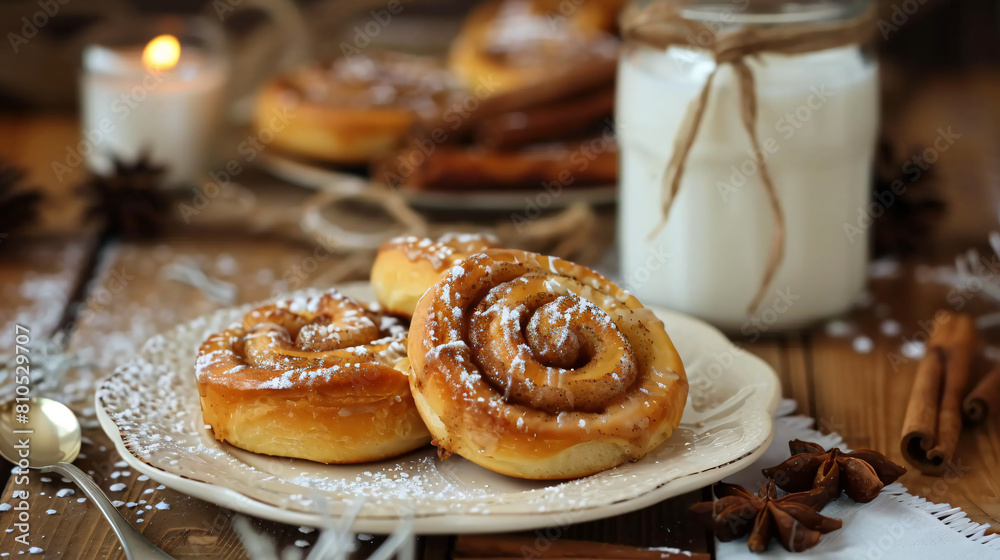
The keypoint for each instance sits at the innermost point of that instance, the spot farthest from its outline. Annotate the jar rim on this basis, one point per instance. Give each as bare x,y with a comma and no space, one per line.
769,12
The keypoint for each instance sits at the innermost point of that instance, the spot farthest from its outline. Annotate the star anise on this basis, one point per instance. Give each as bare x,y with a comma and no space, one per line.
18,205
861,474
130,201
793,519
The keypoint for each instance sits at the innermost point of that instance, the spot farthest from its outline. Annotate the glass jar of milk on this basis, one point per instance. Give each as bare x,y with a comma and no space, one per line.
816,117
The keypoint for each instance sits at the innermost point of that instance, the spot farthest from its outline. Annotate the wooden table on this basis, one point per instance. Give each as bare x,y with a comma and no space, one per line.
120,295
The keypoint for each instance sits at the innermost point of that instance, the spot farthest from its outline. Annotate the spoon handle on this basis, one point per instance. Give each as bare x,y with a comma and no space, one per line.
136,546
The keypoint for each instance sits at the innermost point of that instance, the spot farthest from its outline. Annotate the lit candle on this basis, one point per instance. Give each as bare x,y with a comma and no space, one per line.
164,98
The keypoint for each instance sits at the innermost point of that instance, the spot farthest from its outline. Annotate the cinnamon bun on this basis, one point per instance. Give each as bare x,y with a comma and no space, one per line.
314,377
407,266
539,368
350,110
512,44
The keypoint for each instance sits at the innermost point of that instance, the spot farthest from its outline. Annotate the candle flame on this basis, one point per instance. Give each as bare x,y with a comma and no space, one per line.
162,53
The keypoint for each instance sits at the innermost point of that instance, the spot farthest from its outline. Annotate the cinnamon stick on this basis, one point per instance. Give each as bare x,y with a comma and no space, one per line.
984,399
934,416
500,547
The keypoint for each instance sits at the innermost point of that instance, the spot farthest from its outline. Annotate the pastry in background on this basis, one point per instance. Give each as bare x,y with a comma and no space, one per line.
545,119
535,111
539,368
407,266
318,377
352,109
463,169
513,44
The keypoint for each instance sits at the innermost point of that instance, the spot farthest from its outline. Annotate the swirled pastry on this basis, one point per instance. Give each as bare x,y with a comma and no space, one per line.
406,267
539,368
512,44
354,108
315,377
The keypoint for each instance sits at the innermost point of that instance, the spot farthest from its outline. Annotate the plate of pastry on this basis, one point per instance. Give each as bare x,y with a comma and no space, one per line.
466,388
317,175
520,110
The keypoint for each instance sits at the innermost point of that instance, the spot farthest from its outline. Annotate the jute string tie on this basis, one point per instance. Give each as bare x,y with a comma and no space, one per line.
660,24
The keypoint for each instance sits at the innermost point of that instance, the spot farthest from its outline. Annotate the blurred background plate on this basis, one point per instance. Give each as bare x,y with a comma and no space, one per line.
318,176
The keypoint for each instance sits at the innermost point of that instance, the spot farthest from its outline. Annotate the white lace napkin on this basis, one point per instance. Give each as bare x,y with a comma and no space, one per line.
896,525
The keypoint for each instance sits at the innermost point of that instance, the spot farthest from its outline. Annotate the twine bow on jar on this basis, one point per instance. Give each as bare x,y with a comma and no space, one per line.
662,24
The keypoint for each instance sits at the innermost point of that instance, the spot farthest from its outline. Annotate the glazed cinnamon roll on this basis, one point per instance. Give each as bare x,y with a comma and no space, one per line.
315,377
406,267
539,368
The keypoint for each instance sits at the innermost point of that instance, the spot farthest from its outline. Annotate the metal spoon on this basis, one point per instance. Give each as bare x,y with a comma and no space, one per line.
49,440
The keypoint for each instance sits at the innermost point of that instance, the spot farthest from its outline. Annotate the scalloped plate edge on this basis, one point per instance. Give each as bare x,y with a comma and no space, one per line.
432,524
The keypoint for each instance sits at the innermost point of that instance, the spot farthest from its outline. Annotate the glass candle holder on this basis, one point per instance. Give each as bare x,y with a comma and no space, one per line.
155,86
763,226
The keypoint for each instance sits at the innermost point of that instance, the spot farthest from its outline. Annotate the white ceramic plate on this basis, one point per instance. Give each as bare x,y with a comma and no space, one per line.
318,177
150,409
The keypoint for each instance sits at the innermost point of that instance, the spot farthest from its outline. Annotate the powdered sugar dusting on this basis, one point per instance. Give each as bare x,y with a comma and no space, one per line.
447,250
154,402
307,340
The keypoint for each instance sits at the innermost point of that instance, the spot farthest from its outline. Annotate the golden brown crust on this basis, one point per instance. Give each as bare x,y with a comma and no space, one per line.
407,266
313,378
511,44
488,348
461,169
352,110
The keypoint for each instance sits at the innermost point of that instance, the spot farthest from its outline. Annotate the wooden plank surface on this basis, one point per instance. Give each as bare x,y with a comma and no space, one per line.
37,280
862,392
784,353
855,393
38,277
130,299
41,144
666,524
